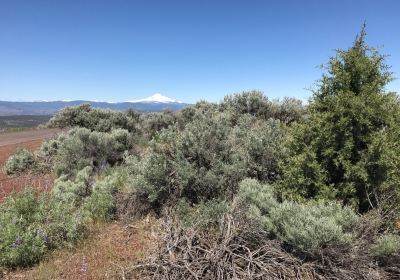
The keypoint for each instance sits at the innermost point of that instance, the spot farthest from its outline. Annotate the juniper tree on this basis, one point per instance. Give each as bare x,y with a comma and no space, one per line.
347,148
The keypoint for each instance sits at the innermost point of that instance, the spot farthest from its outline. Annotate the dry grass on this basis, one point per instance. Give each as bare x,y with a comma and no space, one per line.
104,255
236,251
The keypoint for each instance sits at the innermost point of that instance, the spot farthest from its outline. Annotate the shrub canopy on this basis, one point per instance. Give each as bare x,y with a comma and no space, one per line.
94,119
206,157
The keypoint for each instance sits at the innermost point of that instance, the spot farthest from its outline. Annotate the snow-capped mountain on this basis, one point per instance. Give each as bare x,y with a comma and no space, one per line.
154,103
158,98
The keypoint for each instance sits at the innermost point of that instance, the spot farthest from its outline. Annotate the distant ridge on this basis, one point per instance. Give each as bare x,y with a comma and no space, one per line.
154,103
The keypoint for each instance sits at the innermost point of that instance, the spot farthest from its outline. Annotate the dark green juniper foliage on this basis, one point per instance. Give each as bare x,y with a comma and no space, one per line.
348,147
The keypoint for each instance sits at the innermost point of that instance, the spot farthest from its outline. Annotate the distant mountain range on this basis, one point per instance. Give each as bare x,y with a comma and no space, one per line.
154,103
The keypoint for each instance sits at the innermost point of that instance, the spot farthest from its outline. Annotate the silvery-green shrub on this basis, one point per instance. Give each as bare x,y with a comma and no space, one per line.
386,246
32,224
307,228
20,161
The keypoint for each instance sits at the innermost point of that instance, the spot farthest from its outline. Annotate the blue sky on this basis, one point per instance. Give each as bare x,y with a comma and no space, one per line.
188,50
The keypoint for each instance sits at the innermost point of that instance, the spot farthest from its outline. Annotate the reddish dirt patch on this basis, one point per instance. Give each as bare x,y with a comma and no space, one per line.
10,138
30,140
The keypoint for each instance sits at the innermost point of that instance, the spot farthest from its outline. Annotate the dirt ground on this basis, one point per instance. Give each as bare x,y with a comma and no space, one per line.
21,137
30,140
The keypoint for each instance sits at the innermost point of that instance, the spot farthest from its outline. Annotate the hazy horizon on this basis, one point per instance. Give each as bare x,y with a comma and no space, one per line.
143,99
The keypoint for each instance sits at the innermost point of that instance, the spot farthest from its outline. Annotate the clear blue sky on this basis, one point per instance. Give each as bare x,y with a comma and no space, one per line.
189,50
